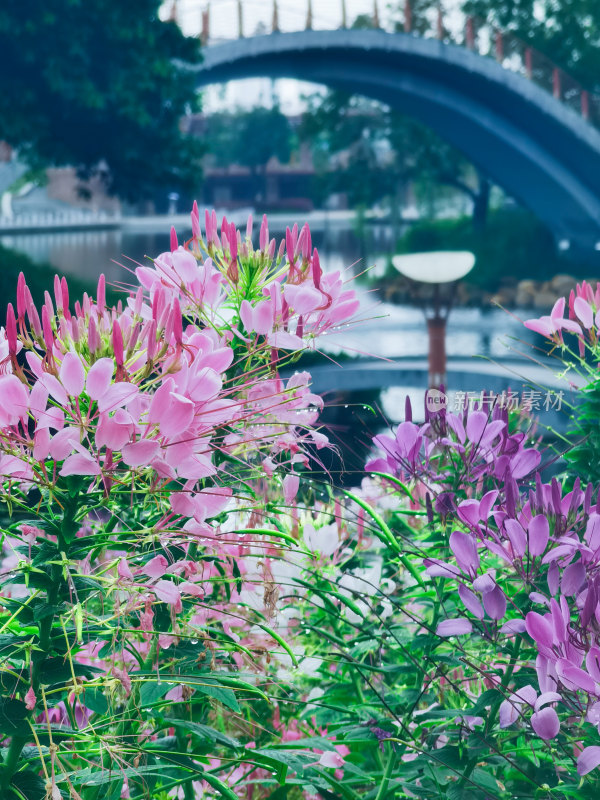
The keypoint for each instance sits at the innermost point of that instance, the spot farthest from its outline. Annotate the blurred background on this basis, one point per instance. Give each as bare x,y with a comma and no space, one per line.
115,116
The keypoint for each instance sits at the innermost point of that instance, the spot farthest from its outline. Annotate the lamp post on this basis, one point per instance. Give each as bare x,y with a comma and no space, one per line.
438,269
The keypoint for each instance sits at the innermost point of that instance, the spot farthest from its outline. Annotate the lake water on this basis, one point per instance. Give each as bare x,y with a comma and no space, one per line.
386,331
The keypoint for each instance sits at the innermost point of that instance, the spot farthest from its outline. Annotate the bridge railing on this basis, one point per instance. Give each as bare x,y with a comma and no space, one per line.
509,50
517,55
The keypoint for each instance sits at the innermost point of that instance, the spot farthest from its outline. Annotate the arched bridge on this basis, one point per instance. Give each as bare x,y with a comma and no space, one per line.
532,145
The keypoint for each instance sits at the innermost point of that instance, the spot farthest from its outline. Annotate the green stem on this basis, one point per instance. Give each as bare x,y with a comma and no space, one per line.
381,794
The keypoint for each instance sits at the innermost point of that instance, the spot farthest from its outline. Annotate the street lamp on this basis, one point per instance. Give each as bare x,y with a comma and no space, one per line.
436,269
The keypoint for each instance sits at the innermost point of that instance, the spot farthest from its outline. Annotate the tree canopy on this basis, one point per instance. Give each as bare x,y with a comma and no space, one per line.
99,85
567,31
248,138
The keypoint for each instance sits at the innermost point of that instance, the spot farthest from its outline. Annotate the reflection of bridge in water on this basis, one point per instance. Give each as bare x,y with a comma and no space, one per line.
518,118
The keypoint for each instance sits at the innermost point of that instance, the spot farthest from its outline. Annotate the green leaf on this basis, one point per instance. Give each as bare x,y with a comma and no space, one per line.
223,790
95,700
218,692
204,732
152,691
13,717
29,784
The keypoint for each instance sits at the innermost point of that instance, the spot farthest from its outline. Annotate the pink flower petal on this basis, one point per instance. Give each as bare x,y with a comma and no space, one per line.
138,454
117,396
167,592
72,374
584,311
55,388
99,378
156,567
80,464
14,400
331,759
290,488
123,570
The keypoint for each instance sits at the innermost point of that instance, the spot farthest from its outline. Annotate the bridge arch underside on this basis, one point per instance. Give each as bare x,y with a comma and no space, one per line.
540,152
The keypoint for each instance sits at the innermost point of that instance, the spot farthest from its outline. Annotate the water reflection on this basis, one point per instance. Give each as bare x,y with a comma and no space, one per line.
387,331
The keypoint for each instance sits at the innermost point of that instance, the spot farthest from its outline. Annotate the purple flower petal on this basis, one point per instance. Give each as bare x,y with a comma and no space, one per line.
539,628
526,694
468,511
509,714
588,759
574,677
470,601
516,536
476,425
539,533
454,627
545,723
494,603
573,577
524,462
546,697
513,626
464,548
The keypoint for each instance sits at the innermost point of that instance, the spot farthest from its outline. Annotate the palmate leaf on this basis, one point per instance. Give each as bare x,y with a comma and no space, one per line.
204,732
152,691
13,717
28,785
99,777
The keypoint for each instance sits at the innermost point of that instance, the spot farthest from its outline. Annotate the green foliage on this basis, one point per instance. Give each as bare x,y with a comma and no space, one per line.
249,138
351,137
39,276
514,245
584,434
566,31
96,85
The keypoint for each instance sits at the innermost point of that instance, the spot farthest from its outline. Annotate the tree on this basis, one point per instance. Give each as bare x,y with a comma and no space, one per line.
249,138
394,148
352,136
100,86
567,31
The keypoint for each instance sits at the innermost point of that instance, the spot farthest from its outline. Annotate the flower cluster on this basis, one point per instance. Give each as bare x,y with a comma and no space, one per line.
128,433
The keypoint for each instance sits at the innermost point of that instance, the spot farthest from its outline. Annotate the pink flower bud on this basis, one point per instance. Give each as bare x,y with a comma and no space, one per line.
177,322
47,330
93,337
174,242
264,233
317,272
11,330
30,699
117,342
196,233
48,304
65,297
151,339
58,293
21,296
101,293
34,318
